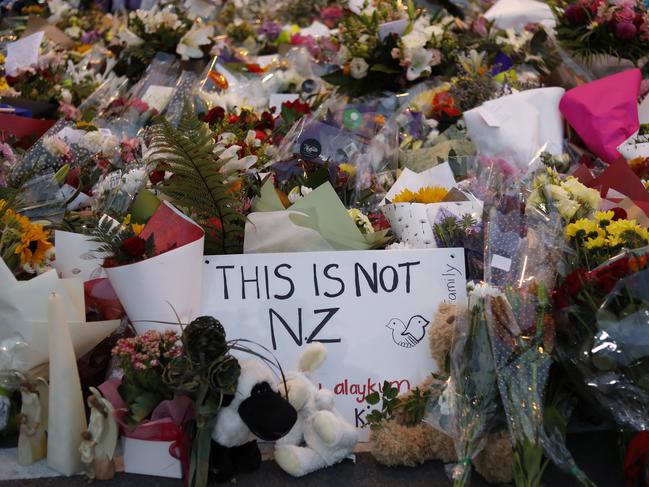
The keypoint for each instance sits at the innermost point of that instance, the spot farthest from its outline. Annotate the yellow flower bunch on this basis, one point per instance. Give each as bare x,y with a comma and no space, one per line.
24,245
136,227
2,58
602,233
427,194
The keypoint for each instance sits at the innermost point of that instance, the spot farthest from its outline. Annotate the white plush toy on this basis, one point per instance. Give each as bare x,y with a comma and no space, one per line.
320,437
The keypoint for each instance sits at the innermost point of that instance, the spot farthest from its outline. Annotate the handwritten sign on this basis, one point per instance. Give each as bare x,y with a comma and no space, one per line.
371,309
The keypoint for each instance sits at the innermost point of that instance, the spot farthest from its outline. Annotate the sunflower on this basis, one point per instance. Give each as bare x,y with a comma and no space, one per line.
33,245
430,194
405,196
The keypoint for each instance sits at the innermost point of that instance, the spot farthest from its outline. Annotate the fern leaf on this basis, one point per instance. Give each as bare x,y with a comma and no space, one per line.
196,184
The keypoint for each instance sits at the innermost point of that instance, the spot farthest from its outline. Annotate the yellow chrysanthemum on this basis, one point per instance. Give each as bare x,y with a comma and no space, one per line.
581,228
137,228
33,246
405,196
430,194
348,168
3,83
595,243
126,221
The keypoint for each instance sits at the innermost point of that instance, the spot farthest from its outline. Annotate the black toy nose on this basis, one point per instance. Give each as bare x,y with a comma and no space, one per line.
266,413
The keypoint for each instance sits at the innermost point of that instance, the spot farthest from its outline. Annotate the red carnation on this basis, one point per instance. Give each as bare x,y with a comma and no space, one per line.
134,246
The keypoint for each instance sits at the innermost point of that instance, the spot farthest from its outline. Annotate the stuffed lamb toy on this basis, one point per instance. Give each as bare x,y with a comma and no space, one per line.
320,437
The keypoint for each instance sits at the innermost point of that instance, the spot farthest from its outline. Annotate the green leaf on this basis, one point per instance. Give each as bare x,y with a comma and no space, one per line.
382,68
373,398
143,406
196,184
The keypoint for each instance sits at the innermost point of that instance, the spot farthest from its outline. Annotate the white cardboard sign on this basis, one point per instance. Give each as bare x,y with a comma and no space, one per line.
371,309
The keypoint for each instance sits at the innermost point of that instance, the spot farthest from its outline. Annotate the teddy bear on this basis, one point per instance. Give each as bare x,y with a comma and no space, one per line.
320,436
399,443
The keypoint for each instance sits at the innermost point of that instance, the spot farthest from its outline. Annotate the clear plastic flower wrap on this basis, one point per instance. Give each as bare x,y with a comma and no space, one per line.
149,96
522,256
603,338
468,408
349,143
114,193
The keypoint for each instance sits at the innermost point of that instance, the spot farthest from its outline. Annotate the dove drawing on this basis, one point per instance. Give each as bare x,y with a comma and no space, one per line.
409,335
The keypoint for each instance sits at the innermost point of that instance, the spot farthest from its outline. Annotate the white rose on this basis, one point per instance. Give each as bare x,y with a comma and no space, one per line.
358,68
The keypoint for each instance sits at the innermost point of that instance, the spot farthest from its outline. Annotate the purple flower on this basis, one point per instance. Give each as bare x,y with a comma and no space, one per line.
270,30
625,31
90,37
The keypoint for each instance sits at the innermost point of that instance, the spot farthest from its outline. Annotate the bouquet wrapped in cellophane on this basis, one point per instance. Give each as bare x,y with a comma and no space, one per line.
601,311
521,261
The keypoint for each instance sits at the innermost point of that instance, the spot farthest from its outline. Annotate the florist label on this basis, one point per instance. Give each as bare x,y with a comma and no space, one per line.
371,309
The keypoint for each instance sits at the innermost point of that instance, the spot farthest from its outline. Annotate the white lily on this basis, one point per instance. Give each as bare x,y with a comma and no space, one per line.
420,34
189,45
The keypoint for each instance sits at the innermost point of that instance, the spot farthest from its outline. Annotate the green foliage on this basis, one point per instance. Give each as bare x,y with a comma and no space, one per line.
143,391
196,184
111,237
411,407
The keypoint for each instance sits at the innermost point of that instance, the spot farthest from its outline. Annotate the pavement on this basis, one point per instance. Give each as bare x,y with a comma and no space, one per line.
596,453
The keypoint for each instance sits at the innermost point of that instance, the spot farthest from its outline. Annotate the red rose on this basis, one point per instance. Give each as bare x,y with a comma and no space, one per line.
619,214
134,246
574,282
73,177
214,228
233,119
156,176
215,115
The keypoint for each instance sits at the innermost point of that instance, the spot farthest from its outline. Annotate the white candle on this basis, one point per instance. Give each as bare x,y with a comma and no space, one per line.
67,418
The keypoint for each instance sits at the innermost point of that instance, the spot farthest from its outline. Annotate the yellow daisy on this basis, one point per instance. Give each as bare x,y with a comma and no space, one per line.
618,227
604,217
581,228
595,243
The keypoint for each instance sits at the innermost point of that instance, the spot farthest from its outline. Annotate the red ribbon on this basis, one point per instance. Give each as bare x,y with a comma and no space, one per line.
179,449
636,459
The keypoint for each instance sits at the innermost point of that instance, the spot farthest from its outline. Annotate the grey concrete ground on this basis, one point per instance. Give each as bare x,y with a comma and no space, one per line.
596,452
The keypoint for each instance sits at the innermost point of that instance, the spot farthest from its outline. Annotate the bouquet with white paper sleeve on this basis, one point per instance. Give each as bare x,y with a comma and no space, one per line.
517,126
24,318
421,206
155,268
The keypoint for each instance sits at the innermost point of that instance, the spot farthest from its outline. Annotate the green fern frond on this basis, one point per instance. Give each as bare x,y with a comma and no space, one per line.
109,236
196,184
